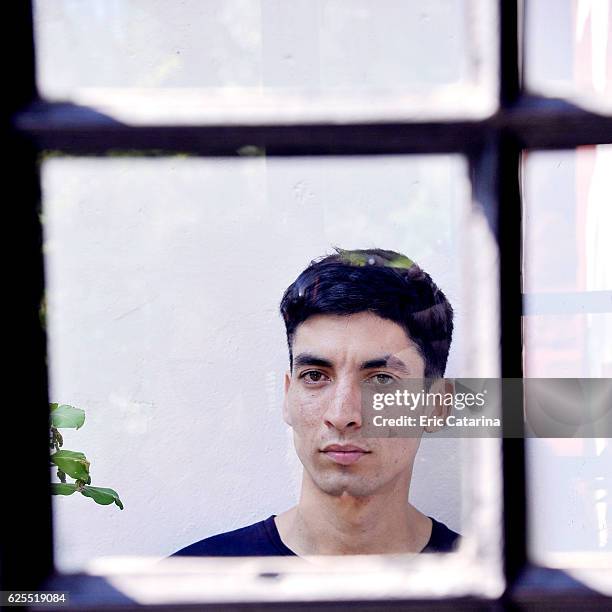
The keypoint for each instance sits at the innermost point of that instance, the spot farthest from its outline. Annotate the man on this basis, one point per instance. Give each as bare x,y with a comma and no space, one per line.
352,318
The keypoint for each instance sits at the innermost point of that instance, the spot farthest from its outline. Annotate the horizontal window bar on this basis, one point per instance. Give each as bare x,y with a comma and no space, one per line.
81,130
535,122
550,123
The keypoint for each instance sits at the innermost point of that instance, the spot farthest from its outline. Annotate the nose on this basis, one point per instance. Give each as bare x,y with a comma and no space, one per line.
344,409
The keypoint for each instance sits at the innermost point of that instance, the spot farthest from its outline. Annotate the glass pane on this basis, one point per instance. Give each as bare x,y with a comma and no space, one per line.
568,334
164,278
569,50
211,54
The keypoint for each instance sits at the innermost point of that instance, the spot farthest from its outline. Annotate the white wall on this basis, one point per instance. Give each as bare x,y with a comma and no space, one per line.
304,44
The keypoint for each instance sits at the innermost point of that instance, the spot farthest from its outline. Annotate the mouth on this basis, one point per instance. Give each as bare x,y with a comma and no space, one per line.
344,454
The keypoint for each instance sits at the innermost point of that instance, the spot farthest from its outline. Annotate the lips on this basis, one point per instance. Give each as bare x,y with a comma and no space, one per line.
344,454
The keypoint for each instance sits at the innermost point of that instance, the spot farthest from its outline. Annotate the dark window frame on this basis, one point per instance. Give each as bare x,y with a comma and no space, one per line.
493,146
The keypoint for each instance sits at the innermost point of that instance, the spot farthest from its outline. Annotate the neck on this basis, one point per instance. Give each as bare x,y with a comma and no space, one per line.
343,524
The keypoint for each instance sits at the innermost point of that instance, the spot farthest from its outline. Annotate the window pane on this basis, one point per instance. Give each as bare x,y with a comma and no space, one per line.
569,50
164,277
568,334
323,57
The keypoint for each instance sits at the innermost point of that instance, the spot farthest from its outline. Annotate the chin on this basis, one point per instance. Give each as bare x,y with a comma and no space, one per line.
338,486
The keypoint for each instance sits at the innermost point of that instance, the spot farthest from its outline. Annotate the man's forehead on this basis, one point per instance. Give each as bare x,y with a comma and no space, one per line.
361,333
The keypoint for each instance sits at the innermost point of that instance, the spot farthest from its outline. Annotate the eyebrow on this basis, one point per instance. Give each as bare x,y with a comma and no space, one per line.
386,361
308,359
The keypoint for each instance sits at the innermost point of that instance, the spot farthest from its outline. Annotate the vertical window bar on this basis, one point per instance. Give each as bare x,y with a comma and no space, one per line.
509,240
509,79
26,553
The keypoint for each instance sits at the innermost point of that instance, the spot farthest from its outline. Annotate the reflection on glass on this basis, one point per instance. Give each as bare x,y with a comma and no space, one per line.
568,49
567,277
164,278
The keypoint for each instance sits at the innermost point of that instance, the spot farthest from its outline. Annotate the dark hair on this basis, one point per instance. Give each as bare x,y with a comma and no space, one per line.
385,283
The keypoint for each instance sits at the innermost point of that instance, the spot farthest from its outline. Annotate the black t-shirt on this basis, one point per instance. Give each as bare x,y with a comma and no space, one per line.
262,539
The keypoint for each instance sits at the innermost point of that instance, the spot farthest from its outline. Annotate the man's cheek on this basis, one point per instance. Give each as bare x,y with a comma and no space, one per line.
306,424
306,447
306,411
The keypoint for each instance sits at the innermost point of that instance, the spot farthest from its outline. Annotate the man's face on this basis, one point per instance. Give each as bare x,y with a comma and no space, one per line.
332,357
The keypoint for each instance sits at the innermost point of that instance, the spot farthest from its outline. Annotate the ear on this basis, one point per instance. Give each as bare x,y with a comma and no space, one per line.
440,409
286,415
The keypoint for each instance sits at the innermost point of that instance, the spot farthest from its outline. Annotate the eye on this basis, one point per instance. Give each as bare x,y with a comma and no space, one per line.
312,377
380,379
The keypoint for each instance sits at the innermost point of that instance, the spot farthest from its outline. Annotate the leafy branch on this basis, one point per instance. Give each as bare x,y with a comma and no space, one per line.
72,463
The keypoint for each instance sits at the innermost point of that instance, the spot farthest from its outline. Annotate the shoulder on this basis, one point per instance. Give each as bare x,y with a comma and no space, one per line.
442,538
253,540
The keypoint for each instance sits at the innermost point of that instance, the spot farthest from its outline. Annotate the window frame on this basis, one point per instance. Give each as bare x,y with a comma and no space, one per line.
493,146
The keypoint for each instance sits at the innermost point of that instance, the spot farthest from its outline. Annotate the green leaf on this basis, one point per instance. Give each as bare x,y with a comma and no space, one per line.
58,488
102,495
66,416
353,258
401,262
73,463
